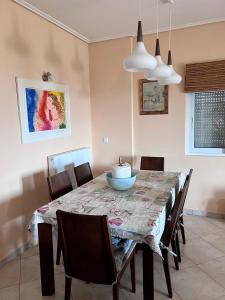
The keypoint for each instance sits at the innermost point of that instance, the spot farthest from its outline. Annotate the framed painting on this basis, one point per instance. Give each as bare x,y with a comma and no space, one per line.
153,98
44,110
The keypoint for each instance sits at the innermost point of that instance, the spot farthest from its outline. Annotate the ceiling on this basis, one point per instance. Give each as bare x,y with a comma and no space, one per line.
97,20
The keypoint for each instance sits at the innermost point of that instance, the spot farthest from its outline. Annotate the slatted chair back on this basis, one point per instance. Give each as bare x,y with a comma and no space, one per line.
83,174
59,185
87,248
152,163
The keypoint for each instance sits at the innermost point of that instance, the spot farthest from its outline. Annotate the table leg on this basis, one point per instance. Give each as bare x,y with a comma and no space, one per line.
148,273
46,259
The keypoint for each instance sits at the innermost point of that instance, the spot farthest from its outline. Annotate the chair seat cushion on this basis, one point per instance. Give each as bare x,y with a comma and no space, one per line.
122,250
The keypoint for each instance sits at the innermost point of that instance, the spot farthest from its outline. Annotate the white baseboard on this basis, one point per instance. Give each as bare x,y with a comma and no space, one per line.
204,214
13,255
16,253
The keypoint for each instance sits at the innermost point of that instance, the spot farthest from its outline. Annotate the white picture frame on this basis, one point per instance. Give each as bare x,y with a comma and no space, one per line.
36,126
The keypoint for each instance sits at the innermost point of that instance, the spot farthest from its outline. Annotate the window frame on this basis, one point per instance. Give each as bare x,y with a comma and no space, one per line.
189,140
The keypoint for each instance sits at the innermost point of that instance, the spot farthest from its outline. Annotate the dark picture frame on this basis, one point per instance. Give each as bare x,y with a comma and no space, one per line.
153,98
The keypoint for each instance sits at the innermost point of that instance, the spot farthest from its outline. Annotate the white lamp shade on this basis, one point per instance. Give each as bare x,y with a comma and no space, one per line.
161,71
140,60
148,75
174,78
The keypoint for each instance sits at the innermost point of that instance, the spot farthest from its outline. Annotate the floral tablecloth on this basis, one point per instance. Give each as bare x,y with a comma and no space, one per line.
137,214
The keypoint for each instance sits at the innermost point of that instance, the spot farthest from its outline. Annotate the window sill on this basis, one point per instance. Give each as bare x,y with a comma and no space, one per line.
204,154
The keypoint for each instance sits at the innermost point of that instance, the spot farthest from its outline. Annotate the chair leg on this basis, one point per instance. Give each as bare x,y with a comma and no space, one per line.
116,291
167,273
68,282
132,272
182,230
174,249
138,247
178,247
58,253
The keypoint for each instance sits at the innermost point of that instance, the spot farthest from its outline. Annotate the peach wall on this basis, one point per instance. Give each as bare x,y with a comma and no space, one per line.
111,103
30,45
160,135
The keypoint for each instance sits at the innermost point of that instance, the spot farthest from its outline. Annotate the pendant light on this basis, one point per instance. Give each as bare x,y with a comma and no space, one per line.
174,78
140,60
162,70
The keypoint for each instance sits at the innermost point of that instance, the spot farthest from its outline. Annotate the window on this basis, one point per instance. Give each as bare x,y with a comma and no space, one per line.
206,123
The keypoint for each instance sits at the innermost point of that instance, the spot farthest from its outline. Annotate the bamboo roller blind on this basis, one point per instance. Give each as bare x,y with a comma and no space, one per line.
204,77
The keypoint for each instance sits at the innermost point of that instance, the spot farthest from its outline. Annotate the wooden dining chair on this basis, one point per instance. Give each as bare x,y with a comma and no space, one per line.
59,185
170,237
88,252
181,220
83,174
152,163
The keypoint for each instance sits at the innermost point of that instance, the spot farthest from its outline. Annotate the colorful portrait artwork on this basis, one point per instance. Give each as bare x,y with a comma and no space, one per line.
45,110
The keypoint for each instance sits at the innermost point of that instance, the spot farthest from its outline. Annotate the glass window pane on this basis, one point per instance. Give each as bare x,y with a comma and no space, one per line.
209,120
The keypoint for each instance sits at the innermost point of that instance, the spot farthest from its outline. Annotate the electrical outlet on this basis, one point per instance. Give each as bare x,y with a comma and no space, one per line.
105,140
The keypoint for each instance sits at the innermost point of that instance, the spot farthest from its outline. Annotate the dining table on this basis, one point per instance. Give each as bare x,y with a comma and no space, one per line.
138,213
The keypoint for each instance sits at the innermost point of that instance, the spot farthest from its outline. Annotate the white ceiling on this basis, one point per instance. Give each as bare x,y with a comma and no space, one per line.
96,20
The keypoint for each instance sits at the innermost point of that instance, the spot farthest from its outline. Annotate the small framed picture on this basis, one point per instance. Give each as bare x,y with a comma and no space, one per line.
153,98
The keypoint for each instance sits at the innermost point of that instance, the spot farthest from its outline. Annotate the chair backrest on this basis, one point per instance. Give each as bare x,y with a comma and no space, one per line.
87,247
172,220
83,174
152,163
176,211
186,186
59,184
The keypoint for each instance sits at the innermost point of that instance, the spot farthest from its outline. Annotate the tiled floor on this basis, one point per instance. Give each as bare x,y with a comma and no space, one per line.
201,275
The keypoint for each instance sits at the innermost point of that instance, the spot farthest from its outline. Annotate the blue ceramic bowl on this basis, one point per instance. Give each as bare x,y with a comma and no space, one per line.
121,184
